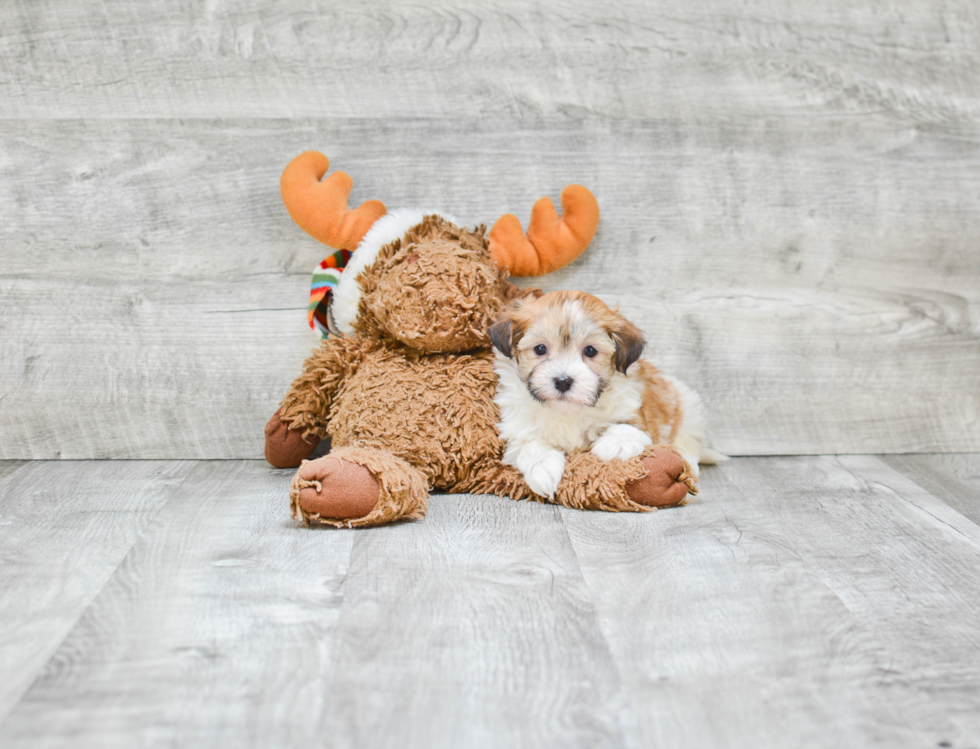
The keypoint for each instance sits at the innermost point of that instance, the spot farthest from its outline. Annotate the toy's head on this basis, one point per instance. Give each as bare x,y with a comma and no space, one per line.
417,277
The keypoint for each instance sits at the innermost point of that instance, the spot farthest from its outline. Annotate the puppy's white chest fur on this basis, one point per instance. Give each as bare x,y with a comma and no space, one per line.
524,419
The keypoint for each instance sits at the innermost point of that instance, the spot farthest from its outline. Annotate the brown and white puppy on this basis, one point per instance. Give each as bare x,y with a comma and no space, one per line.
570,377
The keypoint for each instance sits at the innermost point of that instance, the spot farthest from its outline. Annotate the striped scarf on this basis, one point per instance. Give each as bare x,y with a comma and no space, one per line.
326,276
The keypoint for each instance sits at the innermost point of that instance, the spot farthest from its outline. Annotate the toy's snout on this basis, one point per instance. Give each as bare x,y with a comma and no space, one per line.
438,297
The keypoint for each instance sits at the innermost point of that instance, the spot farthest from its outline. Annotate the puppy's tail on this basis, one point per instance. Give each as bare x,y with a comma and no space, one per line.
711,457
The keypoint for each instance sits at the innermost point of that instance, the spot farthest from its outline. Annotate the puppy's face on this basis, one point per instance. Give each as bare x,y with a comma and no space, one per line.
566,346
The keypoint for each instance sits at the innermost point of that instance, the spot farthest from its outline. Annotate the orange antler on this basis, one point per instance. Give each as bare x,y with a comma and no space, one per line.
551,242
320,208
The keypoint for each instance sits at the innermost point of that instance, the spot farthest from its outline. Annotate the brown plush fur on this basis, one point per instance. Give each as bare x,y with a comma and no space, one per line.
409,396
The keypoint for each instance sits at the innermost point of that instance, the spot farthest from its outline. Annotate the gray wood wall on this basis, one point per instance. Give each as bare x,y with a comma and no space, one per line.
790,200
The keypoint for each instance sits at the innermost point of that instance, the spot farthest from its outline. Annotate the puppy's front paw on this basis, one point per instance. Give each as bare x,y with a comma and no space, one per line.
544,475
621,442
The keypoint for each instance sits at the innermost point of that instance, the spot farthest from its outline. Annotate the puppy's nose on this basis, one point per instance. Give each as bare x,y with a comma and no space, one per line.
563,384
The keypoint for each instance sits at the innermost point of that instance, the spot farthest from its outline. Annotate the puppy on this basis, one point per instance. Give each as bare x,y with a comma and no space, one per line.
570,377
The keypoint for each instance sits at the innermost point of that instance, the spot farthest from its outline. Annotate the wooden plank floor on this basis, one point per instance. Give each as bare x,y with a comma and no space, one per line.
798,602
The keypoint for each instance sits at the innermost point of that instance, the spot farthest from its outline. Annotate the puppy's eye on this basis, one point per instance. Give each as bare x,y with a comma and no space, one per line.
590,351
540,349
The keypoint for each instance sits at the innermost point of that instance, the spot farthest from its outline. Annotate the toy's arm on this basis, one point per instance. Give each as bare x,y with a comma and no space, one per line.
295,430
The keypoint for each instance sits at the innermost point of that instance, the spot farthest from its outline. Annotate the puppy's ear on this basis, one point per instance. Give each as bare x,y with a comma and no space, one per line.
629,344
502,334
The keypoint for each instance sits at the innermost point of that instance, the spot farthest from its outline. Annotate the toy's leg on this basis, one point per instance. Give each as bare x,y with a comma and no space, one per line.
659,477
357,486
490,476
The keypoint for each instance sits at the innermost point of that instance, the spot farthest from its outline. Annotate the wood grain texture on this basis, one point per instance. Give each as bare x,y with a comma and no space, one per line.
955,478
228,623
904,565
726,634
472,628
9,466
391,59
789,198
216,629
814,601
816,280
64,529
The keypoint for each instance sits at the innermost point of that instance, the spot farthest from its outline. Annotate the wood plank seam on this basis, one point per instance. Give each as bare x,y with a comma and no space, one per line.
55,647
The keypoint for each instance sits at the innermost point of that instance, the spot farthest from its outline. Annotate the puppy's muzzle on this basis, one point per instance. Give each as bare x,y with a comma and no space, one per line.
563,384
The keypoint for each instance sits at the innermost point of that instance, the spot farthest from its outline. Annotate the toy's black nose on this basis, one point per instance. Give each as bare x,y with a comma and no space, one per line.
563,384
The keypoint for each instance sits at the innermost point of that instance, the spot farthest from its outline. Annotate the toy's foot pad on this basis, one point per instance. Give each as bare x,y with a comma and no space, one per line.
335,489
284,447
667,483
356,487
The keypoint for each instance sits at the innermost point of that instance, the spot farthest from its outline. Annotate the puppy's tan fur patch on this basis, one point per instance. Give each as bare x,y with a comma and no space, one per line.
663,408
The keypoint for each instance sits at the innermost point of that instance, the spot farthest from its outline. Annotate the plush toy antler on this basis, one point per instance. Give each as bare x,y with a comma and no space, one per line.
320,208
551,242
